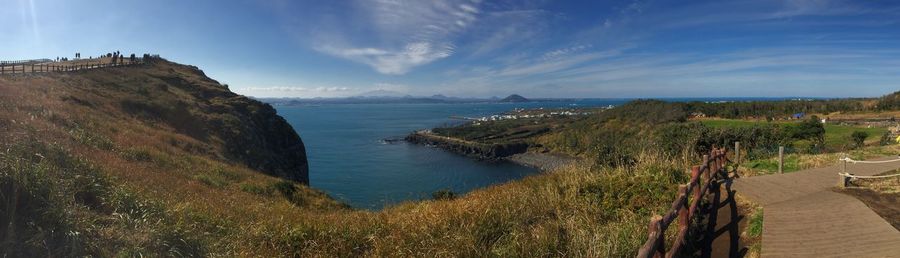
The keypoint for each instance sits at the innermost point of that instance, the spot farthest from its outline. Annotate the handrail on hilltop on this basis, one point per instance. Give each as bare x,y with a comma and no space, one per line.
47,65
684,208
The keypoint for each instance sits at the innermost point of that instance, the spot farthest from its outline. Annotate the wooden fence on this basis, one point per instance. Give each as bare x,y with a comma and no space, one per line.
685,207
32,66
32,61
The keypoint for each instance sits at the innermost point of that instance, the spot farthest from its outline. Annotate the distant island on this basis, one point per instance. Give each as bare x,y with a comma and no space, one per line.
515,98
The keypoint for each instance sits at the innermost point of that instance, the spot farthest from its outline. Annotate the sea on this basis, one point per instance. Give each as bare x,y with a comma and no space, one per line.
349,159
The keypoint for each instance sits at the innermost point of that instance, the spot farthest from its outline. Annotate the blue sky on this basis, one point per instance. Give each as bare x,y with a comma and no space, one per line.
481,48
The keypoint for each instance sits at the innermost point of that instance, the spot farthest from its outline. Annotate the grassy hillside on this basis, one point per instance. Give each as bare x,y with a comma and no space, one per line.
150,159
159,160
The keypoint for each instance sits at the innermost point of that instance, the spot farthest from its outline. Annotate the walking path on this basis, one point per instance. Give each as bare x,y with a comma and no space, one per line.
803,217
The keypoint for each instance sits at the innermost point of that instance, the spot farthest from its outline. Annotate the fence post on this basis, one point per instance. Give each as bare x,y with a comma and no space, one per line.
718,160
684,216
655,226
781,159
844,161
725,159
695,173
714,160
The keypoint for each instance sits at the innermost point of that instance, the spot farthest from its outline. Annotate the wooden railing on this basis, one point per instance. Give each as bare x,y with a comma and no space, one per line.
25,61
685,207
12,67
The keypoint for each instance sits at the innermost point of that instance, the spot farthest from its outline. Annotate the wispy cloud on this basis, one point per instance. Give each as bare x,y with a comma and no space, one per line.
393,61
500,30
409,33
633,46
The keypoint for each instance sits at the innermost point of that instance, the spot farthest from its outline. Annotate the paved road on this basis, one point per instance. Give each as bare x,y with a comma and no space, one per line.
804,218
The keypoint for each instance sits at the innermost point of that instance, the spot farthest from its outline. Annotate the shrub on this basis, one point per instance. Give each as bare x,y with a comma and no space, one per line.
285,187
443,194
92,139
859,138
136,154
886,139
257,189
211,180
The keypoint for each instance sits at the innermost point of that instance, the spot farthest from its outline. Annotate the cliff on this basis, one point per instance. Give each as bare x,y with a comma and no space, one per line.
182,100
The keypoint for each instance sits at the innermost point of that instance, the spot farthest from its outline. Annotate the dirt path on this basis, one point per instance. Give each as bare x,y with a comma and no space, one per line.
805,218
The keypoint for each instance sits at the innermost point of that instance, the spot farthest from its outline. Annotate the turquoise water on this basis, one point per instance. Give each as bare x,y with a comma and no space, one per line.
348,160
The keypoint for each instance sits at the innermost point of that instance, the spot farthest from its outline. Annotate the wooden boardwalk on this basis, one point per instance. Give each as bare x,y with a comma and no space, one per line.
803,217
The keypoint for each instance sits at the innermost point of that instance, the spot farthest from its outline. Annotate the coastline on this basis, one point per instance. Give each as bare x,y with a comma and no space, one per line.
516,153
479,151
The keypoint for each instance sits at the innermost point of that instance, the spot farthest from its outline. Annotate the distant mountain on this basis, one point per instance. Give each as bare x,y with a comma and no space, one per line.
382,94
373,98
514,98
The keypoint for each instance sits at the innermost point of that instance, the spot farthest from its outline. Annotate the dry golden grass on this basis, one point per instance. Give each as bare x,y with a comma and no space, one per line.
890,185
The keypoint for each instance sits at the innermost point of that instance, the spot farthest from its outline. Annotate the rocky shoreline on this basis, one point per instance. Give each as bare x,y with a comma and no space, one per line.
513,152
479,151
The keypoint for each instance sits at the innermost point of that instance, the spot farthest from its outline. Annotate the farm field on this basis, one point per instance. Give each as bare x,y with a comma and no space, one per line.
836,136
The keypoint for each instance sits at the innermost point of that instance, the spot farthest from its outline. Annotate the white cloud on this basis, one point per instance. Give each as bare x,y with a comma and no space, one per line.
404,33
565,51
393,62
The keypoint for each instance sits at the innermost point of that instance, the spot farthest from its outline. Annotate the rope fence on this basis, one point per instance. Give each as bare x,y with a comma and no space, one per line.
868,161
867,177
847,178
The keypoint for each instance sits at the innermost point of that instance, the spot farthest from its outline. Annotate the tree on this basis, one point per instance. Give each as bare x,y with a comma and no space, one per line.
859,138
812,129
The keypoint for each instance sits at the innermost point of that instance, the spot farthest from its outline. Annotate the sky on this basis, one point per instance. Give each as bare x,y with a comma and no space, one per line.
483,48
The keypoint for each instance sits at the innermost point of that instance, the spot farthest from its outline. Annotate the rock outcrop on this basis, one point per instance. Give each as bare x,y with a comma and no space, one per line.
479,151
